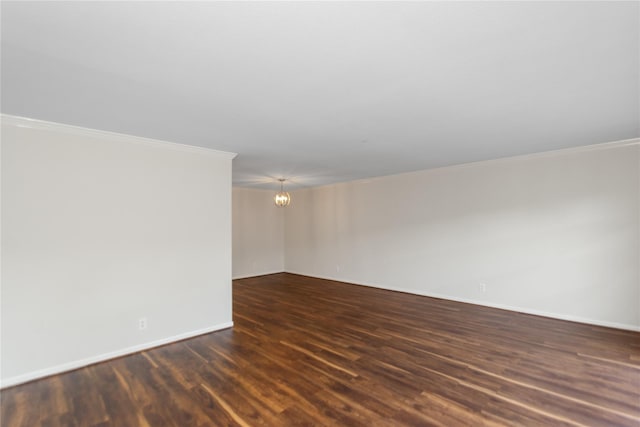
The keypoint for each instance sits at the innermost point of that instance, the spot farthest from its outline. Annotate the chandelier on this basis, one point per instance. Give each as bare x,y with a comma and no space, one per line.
282,198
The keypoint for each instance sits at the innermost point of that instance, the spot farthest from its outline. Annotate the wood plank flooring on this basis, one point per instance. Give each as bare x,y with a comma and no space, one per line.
311,352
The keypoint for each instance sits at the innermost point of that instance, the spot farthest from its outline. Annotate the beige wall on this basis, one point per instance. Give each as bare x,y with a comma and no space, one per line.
555,234
100,230
258,233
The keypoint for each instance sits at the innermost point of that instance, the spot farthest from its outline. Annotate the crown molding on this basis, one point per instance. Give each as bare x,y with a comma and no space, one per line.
550,153
25,122
499,160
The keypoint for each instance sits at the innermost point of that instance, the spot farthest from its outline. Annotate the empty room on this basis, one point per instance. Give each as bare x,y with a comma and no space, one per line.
320,213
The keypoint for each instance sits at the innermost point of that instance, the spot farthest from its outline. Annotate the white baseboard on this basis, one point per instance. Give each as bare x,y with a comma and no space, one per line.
256,275
524,310
20,379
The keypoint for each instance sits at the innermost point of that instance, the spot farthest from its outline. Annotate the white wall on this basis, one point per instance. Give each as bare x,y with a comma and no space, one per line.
555,234
258,233
99,230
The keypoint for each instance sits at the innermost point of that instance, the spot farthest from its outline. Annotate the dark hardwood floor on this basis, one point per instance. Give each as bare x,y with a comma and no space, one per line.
314,352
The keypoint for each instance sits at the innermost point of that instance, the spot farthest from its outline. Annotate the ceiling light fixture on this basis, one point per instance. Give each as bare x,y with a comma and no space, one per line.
282,198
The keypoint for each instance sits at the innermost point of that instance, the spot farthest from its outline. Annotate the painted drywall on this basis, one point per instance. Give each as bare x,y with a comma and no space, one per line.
100,230
555,234
258,233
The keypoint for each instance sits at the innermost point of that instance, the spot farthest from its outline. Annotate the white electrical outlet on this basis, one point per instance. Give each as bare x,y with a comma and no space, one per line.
483,287
337,268
142,323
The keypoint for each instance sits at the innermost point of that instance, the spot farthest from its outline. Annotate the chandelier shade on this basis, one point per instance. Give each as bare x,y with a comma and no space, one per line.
282,198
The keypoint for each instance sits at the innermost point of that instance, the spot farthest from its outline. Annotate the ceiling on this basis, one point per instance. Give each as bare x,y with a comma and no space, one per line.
323,92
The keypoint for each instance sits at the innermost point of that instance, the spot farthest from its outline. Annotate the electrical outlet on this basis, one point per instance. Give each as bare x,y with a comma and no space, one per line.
337,268
483,287
142,323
